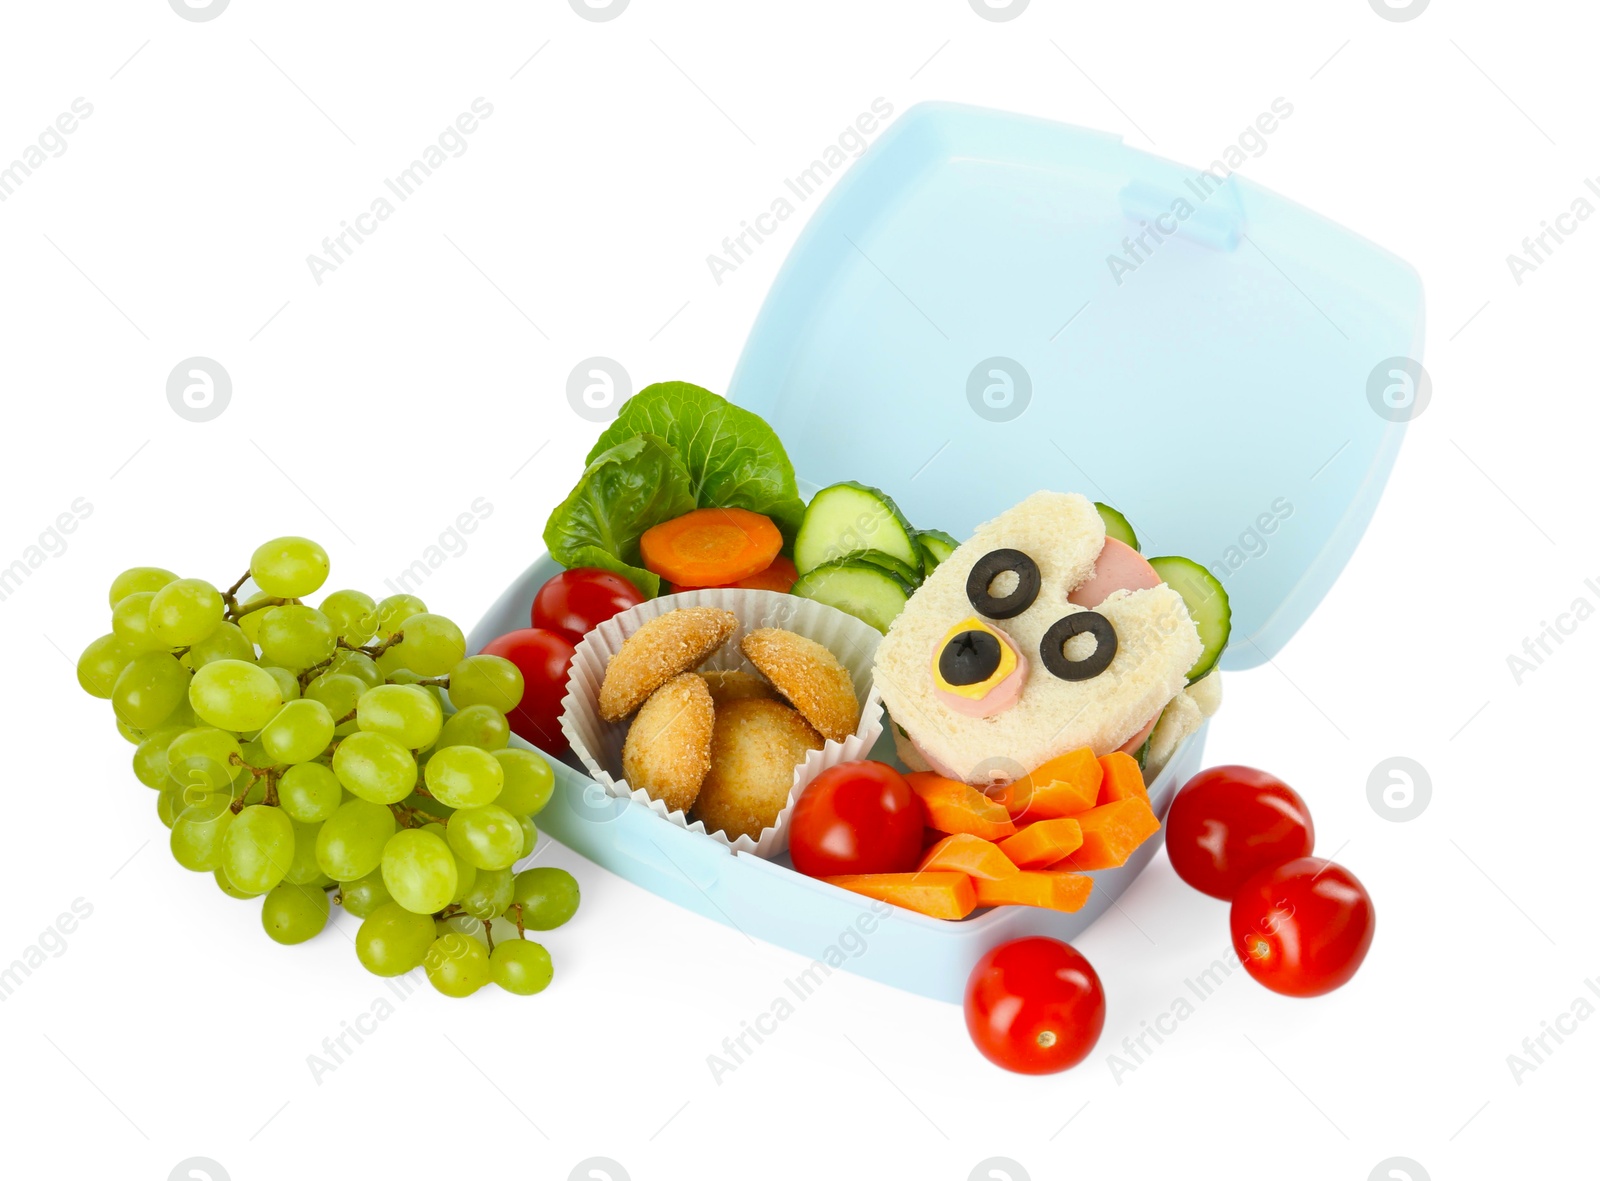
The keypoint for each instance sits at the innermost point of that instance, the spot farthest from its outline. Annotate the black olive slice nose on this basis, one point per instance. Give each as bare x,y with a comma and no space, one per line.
1053,648
991,566
970,658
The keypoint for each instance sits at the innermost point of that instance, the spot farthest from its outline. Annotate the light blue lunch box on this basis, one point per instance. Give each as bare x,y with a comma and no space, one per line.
987,305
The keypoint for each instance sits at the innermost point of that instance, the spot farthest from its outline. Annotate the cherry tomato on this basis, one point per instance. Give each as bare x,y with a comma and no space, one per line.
1035,1006
1230,822
575,601
544,657
859,817
1302,928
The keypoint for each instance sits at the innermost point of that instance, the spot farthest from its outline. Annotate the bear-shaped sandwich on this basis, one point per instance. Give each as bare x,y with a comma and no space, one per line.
1037,636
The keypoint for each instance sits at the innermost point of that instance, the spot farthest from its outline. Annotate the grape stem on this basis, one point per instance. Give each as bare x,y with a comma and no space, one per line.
372,651
230,597
517,906
488,933
414,817
239,613
349,717
270,774
438,682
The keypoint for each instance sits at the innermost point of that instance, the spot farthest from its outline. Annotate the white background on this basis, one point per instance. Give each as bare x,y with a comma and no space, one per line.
370,410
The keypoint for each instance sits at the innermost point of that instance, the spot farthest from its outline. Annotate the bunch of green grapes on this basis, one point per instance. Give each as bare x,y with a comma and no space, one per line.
299,752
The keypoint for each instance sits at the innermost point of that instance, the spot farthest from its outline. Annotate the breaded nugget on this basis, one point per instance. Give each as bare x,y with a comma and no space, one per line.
755,747
734,684
661,649
668,748
810,676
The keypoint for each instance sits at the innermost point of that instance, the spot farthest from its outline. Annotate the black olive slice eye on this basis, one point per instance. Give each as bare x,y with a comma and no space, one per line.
991,566
1053,648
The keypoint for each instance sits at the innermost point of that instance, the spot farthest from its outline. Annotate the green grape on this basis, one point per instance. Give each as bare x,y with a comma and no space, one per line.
364,895
309,793
431,645
549,897
529,781
288,683
350,842
466,878
395,610
492,891
139,578
169,802
477,725
101,663
259,848
149,689
375,768
303,868
205,755
200,832
150,757
520,966
228,887
226,643
392,940
457,965
487,837
429,805
130,623
235,695
293,913
339,692
255,754
130,734
486,680
463,776
296,637
298,732
250,614
530,835
419,870
409,715
355,664
289,567
353,615
185,612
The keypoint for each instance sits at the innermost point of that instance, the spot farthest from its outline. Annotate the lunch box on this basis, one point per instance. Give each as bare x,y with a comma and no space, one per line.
989,304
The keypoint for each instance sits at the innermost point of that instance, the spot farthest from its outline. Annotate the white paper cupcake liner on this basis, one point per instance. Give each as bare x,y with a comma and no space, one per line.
598,743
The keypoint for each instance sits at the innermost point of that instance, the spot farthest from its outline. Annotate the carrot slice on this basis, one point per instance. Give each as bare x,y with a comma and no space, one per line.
1123,780
937,895
780,576
965,853
1111,833
1051,889
954,807
1042,843
1064,786
710,546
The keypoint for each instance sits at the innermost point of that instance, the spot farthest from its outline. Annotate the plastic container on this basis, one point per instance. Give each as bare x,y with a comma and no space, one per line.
950,326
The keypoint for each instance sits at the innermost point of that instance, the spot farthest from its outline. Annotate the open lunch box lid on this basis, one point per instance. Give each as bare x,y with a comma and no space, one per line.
951,326
948,326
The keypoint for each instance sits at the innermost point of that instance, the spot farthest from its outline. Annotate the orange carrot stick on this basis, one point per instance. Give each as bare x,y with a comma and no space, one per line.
1111,832
1051,889
1122,780
965,853
1042,843
937,895
954,807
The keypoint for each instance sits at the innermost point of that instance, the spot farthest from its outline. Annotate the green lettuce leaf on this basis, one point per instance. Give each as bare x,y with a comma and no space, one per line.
626,489
734,459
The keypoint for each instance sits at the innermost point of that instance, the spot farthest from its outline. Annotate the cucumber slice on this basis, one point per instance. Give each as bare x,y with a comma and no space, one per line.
1117,525
1207,603
847,518
936,545
906,574
858,588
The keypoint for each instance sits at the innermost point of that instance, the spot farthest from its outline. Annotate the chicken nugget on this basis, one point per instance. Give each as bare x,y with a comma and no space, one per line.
661,649
809,676
668,748
733,684
755,747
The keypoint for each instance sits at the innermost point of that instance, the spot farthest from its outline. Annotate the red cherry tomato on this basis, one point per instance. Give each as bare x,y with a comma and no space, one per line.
1302,928
1230,822
544,658
1035,1006
859,817
578,600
